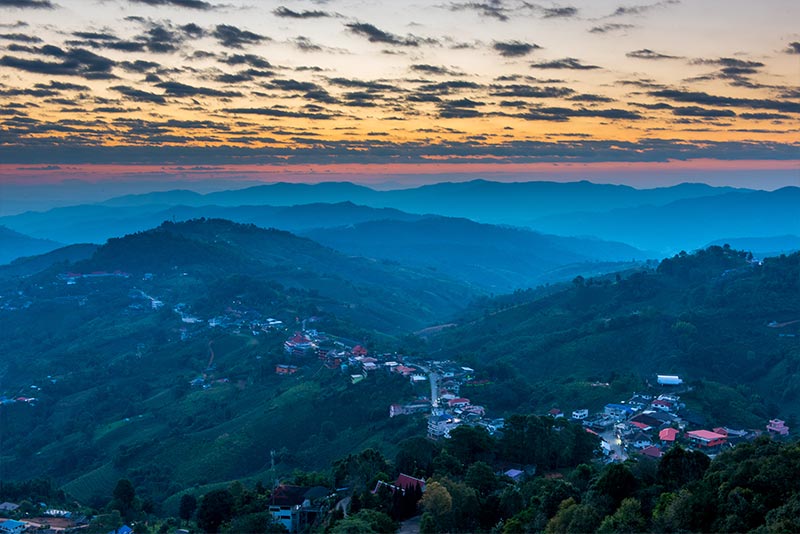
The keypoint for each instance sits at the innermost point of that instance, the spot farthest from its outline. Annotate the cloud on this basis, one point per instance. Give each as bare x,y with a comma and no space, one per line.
28,4
251,60
562,114
610,27
492,8
139,95
305,44
434,70
376,35
190,4
369,85
793,48
233,37
528,91
638,10
560,12
696,111
646,53
182,89
514,48
448,86
293,85
277,111
285,12
72,62
697,97
566,63
20,37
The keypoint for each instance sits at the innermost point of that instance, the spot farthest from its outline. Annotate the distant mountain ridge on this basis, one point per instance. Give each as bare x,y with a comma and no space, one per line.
14,244
480,200
665,220
500,259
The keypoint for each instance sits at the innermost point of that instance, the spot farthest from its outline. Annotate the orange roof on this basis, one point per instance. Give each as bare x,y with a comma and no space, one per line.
705,435
668,434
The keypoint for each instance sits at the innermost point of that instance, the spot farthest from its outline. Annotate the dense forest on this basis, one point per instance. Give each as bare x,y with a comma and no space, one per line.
752,488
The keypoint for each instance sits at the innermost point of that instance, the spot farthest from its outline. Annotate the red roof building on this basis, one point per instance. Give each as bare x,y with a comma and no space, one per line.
668,435
706,438
652,451
458,402
408,482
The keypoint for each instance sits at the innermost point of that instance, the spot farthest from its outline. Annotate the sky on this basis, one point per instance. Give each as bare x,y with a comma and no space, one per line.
401,92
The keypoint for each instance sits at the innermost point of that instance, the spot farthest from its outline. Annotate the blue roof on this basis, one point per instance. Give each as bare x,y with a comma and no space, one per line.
620,407
124,529
11,523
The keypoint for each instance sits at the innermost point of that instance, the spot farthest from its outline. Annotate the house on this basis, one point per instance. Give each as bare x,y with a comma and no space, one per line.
669,380
652,451
358,350
407,482
777,426
663,405
641,426
458,402
369,367
514,474
706,438
124,529
555,413
283,369
640,440
285,504
580,415
10,526
618,410
403,370
8,506
648,419
441,425
298,344
668,435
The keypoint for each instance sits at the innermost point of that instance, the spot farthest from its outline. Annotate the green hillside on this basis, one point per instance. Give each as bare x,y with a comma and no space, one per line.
704,316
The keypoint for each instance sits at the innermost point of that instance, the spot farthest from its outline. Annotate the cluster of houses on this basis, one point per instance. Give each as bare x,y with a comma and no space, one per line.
72,278
51,521
651,424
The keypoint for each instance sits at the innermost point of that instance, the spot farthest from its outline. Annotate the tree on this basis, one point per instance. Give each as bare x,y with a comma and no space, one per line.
627,518
438,503
187,506
215,508
124,496
480,476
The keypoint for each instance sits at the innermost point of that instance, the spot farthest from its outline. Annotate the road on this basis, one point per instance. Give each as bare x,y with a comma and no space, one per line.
610,437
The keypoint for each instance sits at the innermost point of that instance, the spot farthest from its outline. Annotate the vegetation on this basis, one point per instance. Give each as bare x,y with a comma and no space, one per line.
118,430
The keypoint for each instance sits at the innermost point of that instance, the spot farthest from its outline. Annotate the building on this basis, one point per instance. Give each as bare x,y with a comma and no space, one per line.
652,451
407,482
669,380
296,507
580,415
555,413
458,402
668,435
10,526
283,369
618,410
8,506
777,426
514,474
706,438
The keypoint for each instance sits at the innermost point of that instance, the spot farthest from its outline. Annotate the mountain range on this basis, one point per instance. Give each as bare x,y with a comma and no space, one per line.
664,220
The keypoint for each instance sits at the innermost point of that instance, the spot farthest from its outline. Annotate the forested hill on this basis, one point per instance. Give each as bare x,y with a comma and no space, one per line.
384,296
713,316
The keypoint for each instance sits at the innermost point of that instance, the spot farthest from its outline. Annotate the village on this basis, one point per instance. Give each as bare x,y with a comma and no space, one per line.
645,424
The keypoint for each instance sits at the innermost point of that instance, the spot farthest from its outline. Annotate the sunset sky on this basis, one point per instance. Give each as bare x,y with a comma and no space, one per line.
313,90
